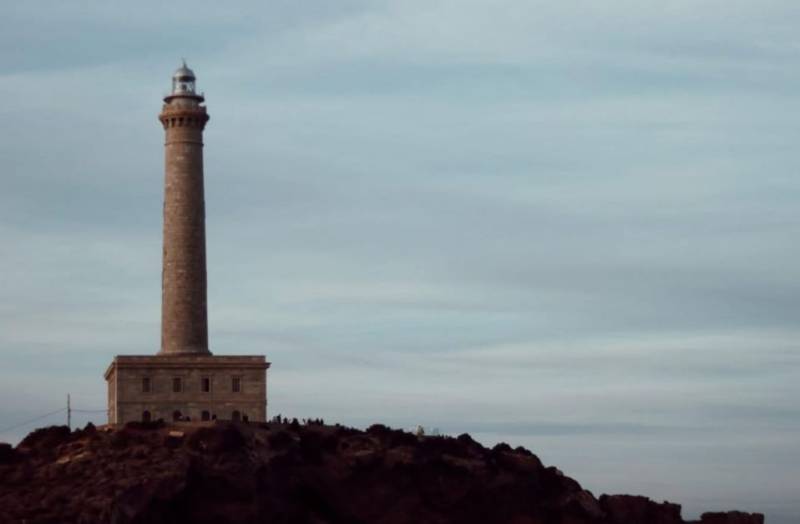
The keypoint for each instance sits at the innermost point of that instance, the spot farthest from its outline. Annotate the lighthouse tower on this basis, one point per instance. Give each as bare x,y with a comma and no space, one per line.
184,313
184,382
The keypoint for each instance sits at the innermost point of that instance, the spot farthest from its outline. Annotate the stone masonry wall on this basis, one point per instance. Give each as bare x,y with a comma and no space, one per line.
112,397
184,318
162,402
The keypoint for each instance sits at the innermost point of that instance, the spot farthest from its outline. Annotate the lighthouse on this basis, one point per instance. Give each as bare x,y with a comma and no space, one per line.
183,381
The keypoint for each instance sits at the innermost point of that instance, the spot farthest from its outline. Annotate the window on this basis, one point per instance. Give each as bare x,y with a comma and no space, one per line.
205,415
236,384
146,417
177,385
205,384
145,384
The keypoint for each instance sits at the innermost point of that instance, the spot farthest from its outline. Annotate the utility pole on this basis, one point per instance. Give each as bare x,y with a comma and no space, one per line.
69,413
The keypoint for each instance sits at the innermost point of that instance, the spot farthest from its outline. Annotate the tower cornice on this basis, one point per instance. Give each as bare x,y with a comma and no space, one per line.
182,116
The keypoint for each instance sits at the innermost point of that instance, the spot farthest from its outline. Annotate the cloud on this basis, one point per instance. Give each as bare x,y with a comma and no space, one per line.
564,225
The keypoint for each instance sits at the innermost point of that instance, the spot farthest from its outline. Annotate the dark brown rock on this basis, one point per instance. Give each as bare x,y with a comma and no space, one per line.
296,474
631,509
7,453
732,517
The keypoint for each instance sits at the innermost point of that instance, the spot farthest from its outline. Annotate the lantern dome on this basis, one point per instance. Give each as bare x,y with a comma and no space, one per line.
183,81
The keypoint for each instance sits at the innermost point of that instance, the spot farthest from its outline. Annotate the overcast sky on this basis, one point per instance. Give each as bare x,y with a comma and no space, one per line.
567,225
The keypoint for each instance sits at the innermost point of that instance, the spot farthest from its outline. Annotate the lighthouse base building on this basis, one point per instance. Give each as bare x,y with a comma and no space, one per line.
145,388
184,381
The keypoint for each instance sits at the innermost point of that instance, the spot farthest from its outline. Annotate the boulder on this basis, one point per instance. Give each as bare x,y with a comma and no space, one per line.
7,453
731,517
632,509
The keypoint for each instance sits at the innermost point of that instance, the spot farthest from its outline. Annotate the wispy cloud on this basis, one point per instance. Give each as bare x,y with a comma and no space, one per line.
569,225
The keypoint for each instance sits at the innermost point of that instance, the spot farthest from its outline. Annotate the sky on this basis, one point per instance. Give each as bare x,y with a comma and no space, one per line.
565,225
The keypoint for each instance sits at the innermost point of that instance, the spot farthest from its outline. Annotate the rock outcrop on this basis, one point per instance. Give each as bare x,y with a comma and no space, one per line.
295,474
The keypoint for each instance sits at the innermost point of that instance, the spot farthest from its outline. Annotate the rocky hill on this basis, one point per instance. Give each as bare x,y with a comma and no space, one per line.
296,474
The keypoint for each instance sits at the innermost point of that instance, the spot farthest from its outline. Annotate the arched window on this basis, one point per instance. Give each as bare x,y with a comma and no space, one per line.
146,417
176,415
236,416
205,415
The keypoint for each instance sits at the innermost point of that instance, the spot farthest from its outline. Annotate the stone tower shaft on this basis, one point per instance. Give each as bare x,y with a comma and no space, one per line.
184,313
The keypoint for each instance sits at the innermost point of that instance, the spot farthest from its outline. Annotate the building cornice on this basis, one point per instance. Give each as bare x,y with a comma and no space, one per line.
187,361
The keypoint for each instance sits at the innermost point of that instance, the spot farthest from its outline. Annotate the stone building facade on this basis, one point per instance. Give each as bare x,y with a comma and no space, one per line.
186,387
184,380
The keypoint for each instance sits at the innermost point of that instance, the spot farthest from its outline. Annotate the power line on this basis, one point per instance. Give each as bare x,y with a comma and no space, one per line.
68,409
40,417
